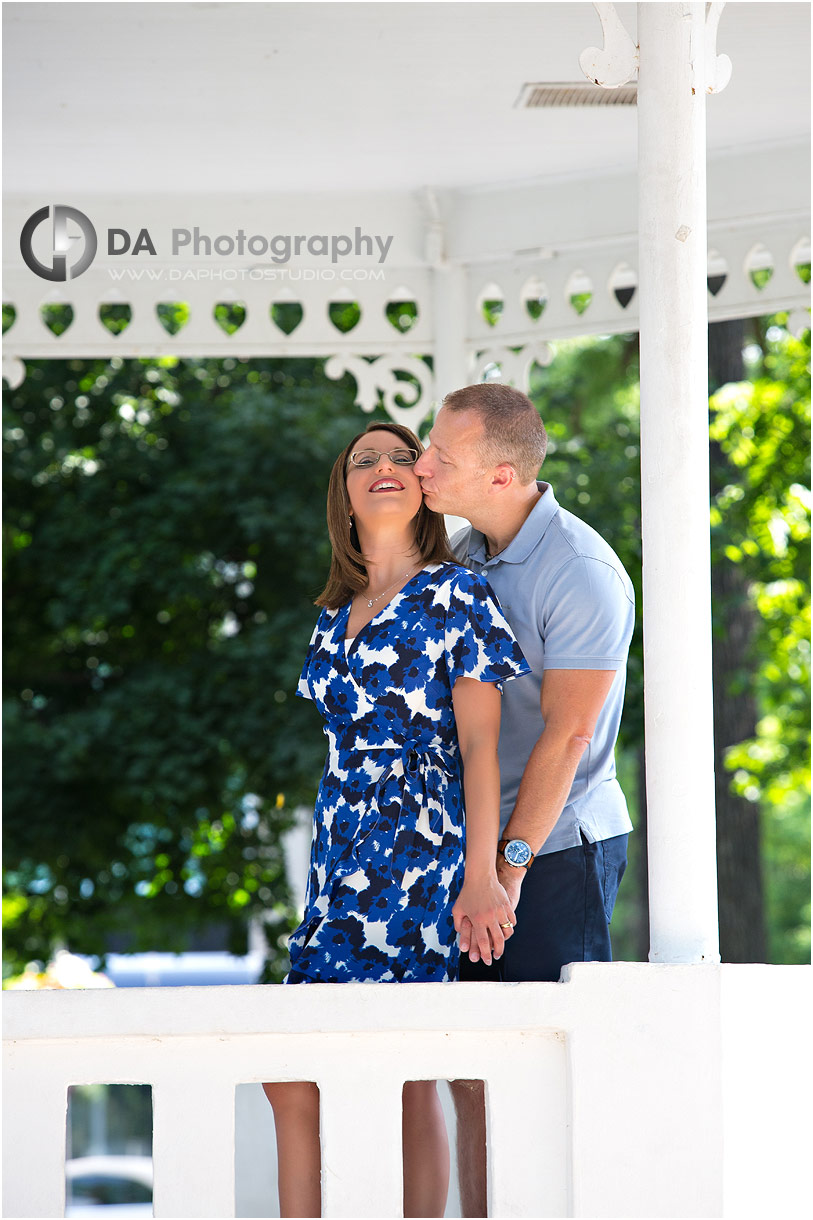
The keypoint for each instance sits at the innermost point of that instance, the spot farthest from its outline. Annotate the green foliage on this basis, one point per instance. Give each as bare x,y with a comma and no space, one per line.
173,315
287,315
761,521
580,301
115,317
402,315
535,307
760,276
344,315
164,538
492,311
57,317
230,315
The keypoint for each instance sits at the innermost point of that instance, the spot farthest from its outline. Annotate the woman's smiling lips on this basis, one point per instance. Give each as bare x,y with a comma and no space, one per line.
387,485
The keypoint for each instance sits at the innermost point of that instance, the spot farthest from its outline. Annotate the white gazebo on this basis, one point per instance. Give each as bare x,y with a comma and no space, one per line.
582,169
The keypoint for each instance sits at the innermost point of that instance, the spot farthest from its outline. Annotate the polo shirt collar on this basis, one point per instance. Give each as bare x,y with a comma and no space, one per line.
532,529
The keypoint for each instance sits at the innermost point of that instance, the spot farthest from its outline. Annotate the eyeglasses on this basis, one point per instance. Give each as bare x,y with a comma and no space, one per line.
371,457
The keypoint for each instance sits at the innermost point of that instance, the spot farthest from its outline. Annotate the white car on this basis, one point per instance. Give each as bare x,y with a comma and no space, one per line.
122,1185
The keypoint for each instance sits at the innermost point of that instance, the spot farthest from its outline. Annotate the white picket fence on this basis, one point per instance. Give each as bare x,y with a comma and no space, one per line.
608,1094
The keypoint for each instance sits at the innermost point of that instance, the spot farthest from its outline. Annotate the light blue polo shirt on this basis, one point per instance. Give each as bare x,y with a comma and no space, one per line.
571,605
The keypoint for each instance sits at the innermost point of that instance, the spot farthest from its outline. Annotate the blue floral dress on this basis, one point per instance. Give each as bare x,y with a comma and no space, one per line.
387,856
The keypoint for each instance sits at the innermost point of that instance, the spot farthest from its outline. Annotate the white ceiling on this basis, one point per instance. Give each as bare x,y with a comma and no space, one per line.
145,98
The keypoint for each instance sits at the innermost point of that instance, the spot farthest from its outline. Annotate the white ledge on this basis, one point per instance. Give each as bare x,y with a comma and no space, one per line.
264,1009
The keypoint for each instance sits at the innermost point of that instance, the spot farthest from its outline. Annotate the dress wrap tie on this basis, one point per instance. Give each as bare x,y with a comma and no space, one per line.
424,769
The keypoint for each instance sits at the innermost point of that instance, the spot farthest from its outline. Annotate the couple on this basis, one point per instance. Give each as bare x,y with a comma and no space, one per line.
431,861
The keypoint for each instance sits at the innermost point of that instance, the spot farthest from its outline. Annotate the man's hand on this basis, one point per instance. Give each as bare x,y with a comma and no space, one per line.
511,879
481,910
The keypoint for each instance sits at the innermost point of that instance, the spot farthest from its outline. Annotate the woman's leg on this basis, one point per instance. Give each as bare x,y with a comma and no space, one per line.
296,1118
426,1150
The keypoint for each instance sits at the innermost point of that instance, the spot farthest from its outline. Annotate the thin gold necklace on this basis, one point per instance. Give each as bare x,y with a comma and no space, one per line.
373,600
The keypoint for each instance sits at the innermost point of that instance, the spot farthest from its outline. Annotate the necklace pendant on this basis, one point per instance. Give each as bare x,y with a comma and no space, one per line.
370,604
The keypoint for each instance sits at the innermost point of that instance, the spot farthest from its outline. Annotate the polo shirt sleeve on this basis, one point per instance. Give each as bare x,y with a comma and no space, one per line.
588,616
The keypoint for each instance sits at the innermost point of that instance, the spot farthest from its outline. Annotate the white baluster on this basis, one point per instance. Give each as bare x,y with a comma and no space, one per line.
193,1141
527,1124
35,1104
362,1171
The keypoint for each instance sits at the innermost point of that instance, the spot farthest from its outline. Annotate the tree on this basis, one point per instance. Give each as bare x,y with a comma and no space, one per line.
739,847
165,538
761,544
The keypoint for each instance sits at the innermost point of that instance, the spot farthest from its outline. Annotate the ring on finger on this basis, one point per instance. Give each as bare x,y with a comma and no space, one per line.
506,925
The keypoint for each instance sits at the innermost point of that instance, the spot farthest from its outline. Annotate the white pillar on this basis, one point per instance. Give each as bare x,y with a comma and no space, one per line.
675,483
449,310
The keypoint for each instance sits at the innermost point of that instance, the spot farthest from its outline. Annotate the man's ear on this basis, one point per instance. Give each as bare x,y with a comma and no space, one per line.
503,476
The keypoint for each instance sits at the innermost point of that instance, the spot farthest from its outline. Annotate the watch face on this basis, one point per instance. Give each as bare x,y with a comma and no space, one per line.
517,852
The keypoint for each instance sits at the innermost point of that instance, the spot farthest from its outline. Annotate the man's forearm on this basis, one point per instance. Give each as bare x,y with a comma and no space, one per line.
545,786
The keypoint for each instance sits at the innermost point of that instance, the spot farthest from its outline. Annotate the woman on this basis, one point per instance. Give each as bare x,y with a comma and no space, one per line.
405,664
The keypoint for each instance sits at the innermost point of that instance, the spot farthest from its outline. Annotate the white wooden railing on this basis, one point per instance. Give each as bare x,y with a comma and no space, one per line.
608,1093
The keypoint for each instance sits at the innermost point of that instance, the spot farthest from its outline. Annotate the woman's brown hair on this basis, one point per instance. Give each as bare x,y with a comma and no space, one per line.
348,571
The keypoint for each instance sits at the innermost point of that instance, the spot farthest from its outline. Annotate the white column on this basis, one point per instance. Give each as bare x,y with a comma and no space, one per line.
449,310
675,483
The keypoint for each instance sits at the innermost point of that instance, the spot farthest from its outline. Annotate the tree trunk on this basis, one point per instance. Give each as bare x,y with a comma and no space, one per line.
739,862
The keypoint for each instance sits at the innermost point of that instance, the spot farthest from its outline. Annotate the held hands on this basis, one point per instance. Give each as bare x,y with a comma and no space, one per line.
483,905
511,879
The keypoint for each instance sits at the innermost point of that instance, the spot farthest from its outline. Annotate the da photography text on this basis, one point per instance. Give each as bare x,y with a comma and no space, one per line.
59,252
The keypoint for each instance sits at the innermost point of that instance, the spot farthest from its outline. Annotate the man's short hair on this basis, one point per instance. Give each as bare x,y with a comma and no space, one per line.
513,432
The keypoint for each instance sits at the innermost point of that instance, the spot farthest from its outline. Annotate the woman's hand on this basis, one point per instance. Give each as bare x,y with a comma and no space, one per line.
482,907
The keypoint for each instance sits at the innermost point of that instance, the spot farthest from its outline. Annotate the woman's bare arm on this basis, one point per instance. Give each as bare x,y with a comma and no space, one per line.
482,900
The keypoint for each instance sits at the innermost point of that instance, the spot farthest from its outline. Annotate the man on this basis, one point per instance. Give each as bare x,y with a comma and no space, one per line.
563,817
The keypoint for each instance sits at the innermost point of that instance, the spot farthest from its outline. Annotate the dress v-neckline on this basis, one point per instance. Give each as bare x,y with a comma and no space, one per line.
352,641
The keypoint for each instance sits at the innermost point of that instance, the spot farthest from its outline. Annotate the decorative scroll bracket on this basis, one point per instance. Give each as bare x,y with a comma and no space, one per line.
515,367
617,62
379,377
718,67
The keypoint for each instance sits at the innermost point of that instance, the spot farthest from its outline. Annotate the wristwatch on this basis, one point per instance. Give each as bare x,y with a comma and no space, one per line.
516,852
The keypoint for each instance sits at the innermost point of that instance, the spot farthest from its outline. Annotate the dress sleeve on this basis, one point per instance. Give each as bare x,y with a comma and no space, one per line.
478,640
303,686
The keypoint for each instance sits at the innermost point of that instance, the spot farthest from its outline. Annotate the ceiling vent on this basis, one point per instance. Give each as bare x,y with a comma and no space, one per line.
582,93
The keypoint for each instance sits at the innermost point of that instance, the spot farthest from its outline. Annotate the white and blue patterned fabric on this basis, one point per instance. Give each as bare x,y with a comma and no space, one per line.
387,856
